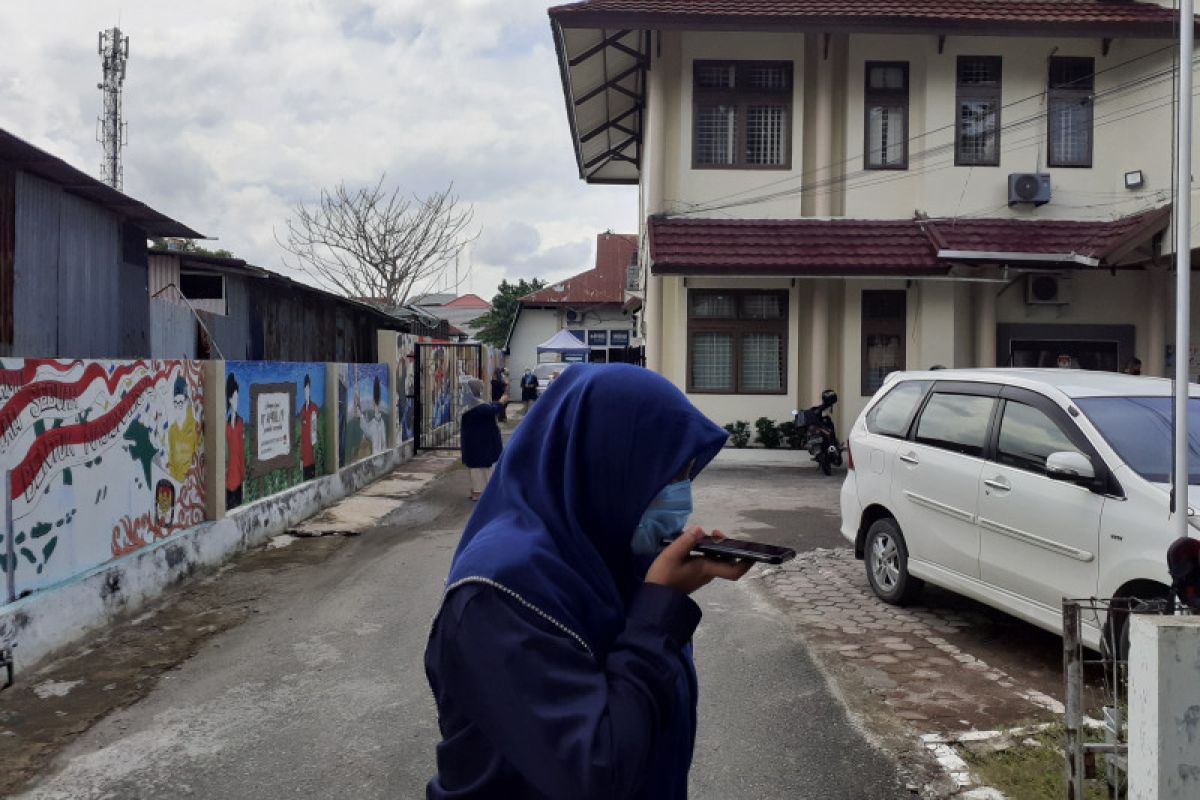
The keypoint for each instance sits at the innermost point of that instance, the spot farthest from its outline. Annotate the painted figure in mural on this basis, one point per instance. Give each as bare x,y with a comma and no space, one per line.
480,435
164,503
183,438
235,446
369,417
441,389
561,658
529,387
404,391
309,415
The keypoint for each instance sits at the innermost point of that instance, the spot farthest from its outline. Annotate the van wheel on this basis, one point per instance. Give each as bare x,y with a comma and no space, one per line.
886,557
1146,598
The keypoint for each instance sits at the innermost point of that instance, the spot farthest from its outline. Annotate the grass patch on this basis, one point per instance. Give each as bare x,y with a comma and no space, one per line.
1028,772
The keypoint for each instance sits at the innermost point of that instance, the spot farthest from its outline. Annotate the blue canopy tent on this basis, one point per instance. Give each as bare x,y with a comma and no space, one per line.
565,346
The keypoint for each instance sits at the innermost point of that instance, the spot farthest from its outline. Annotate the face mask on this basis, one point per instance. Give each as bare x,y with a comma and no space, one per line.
666,516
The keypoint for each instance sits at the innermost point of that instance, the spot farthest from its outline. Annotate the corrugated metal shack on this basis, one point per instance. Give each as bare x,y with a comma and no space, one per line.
73,262
249,313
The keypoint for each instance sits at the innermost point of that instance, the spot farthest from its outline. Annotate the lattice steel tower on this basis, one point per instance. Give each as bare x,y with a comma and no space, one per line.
110,130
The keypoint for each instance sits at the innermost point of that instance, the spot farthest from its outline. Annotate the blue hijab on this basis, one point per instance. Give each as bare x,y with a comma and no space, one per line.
558,515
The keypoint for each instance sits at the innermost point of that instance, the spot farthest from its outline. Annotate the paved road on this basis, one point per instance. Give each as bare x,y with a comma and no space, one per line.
322,693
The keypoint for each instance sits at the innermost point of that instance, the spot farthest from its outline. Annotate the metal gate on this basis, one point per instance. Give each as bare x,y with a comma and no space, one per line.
436,398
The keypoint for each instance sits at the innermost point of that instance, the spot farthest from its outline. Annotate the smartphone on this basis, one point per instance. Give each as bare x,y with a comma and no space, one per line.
737,549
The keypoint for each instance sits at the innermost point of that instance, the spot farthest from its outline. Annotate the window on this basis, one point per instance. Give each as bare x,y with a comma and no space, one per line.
598,338
743,113
737,342
1072,82
578,334
1028,437
201,286
957,422
886,99
619,338
891,415
977,131
883,321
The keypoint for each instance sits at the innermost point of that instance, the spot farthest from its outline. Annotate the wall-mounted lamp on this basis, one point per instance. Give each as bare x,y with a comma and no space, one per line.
1135,179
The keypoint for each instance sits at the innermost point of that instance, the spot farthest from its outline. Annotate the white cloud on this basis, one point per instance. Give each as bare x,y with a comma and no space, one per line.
238,109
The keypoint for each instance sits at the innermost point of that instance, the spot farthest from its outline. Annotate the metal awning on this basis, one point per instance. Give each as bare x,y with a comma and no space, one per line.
604,84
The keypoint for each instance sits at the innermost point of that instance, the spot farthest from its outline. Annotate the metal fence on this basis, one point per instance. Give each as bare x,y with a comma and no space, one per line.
1108,671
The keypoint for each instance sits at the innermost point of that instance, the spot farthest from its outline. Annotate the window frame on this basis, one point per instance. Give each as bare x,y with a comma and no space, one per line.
739,97
965,92
862,333
1053,94
736,326
870,94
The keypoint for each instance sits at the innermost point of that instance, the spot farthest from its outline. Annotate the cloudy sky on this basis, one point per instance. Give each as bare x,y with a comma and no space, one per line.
238,109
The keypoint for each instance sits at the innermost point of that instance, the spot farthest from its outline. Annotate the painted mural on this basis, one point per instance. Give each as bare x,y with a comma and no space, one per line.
406,365
364,411
106,457
275,433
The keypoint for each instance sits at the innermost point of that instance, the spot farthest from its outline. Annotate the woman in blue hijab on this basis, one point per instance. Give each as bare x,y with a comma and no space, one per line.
561,659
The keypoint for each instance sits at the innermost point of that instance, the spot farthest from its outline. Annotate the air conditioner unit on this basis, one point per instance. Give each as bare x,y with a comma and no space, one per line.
572,315
1028,187
1047,290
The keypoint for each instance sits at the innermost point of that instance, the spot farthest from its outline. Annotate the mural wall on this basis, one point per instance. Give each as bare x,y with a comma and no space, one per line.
364,411
106,457
275,432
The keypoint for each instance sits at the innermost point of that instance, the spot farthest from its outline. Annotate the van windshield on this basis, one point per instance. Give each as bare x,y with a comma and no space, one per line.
1139,429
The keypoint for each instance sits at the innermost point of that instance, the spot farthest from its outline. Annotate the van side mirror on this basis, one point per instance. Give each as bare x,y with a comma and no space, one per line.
1070,466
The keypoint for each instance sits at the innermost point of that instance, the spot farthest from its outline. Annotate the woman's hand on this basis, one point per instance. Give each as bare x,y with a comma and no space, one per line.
677,568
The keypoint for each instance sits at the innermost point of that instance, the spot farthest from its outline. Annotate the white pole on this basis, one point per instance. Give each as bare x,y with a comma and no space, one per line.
1183,263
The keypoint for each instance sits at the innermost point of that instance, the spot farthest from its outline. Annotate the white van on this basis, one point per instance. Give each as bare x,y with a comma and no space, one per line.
1017,487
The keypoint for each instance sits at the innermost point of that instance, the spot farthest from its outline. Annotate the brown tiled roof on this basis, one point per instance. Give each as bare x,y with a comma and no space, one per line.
605,283
791,247
1129,18
1094,239
813,247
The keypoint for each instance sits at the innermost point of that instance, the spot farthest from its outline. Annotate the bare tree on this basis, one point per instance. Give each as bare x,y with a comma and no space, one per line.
379,244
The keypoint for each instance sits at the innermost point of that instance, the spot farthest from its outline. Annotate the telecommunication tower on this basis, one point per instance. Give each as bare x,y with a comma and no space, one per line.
110,130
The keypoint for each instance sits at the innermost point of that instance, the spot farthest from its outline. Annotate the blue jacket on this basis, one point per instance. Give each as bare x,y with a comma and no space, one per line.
557,671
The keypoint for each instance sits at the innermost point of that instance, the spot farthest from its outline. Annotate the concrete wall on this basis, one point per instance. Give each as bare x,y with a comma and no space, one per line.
1164,708
120,474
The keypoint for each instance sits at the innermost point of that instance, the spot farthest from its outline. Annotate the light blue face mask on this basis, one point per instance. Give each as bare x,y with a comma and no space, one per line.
666,516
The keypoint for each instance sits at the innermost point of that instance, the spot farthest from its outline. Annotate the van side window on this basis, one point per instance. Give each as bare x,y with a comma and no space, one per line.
892,415
1028,437
957,422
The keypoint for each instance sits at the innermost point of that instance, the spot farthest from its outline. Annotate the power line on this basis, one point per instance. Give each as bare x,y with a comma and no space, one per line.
717,203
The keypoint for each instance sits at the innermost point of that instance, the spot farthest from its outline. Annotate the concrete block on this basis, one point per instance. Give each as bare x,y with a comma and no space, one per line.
1164,708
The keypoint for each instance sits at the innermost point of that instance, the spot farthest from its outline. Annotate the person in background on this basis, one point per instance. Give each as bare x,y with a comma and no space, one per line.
499,389
1133,367
480,434
529,387
561,657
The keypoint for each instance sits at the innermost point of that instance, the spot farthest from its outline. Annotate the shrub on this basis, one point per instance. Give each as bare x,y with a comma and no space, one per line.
793,434
768,433
739,433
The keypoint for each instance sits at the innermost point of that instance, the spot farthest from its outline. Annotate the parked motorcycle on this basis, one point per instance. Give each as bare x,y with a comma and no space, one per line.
819,432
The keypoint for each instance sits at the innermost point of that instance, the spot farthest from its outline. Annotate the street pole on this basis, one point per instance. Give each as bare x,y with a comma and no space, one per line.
1183,265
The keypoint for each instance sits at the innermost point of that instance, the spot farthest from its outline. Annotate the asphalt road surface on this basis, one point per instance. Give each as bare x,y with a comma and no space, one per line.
321,693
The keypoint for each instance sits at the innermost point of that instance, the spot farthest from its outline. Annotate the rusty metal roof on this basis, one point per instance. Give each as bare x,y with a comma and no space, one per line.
603,284
21,155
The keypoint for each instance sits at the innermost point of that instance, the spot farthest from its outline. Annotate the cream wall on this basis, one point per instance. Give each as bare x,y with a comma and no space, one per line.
534,326
1132,130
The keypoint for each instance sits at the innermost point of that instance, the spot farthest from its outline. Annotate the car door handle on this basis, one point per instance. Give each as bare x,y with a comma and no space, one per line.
999,484
910,458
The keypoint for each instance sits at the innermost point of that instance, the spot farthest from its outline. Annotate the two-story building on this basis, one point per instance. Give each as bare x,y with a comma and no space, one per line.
830,191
